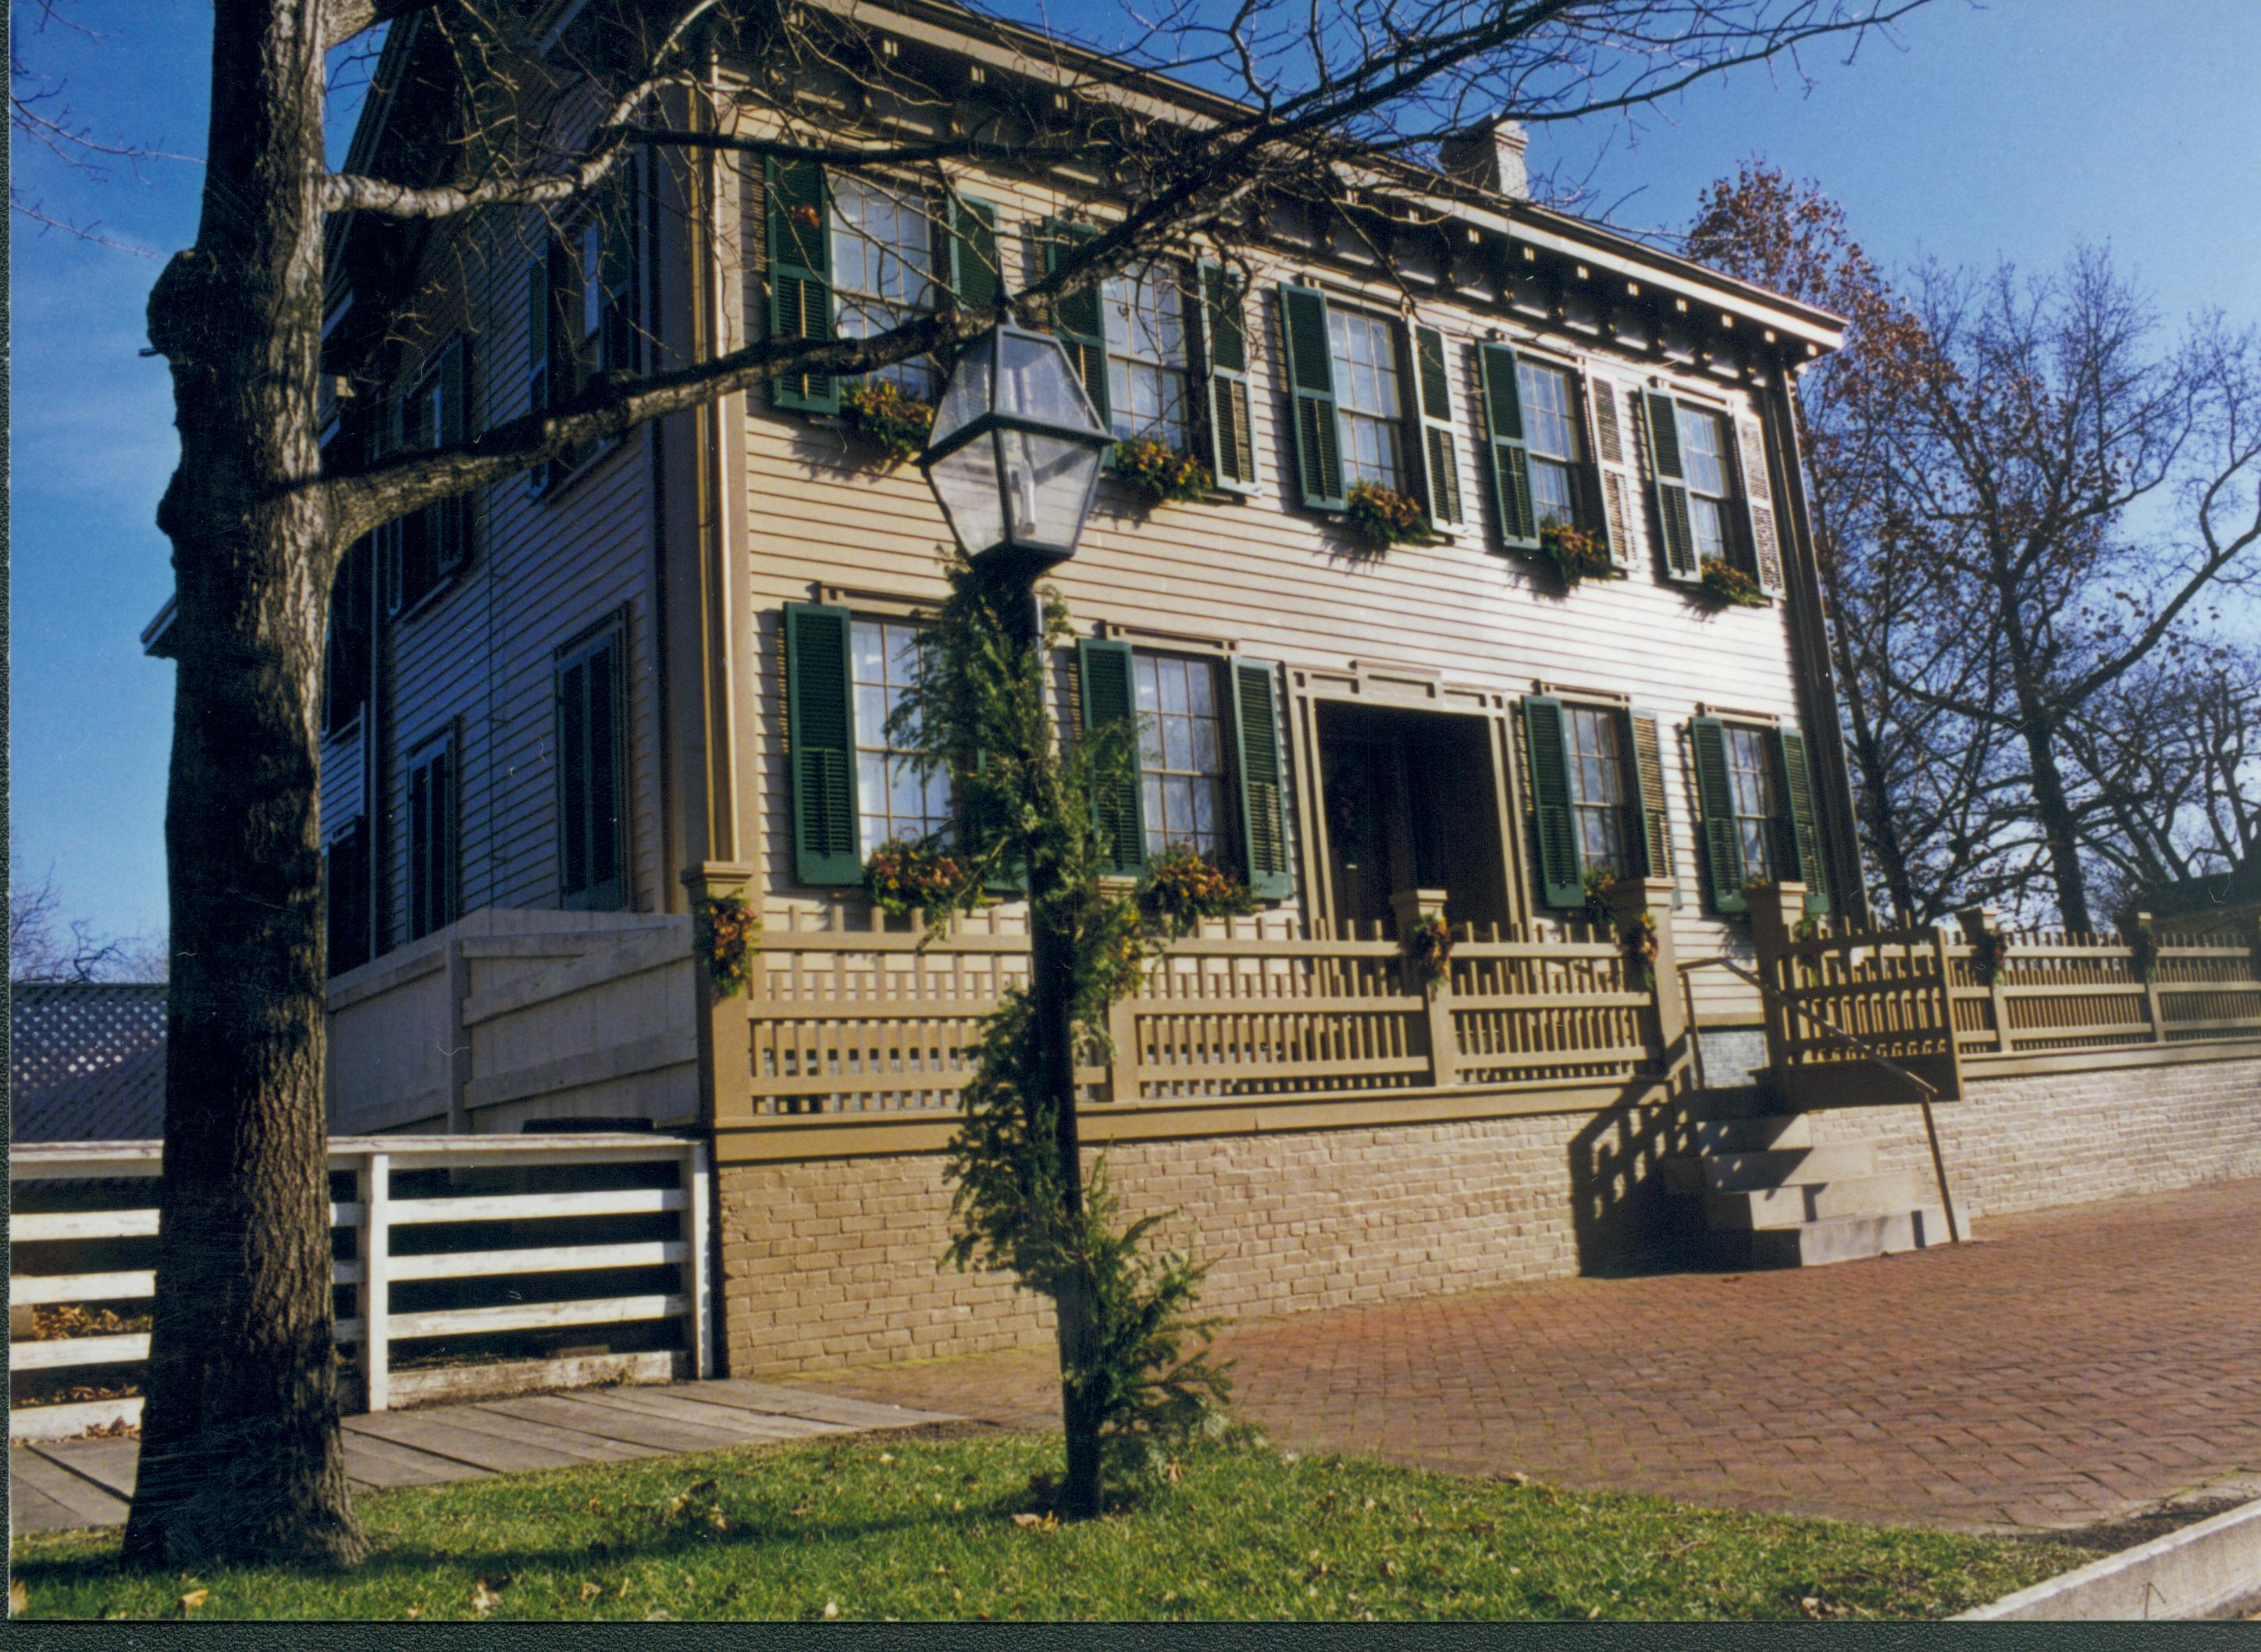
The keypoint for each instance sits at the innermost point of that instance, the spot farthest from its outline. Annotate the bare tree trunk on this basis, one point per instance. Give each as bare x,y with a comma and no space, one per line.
2059,829
240,1454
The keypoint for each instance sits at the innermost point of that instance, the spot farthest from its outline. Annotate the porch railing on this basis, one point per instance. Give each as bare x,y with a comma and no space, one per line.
877,1020
454,1258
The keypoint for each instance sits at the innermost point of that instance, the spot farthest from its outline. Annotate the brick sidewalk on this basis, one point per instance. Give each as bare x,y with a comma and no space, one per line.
2072,1367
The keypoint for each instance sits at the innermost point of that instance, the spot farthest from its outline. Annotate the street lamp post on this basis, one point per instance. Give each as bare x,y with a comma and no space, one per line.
1014,460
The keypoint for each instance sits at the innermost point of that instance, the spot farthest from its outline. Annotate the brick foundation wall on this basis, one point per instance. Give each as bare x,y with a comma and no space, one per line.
832,1261
2025,1144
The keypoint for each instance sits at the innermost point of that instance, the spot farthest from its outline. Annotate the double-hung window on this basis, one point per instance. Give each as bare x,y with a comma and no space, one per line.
883,270
1597,796
346,897
1551,437
432,812
1596,749
591,761
583,311
421,551
1760,816
1181,755
1704,464
1757,804
1368,402
899,799
1146,356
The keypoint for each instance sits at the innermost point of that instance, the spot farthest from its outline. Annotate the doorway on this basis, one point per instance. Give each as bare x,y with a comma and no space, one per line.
1411,802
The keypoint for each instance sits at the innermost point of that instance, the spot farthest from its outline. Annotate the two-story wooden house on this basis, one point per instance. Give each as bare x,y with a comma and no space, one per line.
562,712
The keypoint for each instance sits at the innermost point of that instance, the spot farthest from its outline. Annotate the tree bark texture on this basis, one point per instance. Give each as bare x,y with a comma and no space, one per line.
241,1458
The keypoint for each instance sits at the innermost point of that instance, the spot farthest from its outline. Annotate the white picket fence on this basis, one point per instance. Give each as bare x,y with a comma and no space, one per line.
375,1216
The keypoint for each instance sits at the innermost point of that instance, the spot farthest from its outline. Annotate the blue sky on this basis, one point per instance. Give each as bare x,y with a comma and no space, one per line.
2016,129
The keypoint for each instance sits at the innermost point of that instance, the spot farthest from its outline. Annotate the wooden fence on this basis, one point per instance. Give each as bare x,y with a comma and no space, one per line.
453,1259
877,1020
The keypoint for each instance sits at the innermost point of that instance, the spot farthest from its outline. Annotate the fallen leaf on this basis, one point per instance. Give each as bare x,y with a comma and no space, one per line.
831,1609
718,1519
590,1592
1390,1569
1026,1520
656,1617
886,1456
676,1506
1481,1528
483,1599
17,1600
189,1602
415,1609
798,1511
1810,1606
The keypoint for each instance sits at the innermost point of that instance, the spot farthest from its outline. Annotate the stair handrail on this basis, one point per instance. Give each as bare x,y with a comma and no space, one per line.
1930,1091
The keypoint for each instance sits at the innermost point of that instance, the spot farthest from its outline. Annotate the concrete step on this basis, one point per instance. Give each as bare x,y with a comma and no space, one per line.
1839,1239
1766,1167
1893,1192
1744,1101
1753,1134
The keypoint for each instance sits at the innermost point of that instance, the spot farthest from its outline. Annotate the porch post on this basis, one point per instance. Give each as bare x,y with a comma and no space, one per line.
1776,909
1628,899
725,1065
1976,922
1408,907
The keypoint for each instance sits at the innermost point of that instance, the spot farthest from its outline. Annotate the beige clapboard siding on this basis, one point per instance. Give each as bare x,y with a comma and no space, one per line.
1276,580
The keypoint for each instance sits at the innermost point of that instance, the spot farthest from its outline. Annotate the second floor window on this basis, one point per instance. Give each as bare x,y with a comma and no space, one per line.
1181,754
882,270
1550,430
423,550
896,800
1596,767
1703,462
1367,401
1146,356
1751,781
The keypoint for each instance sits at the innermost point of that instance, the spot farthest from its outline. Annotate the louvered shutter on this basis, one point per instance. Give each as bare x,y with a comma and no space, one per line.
1801,829
800,212
1079,318
1440,459
1314,434
616,266
538,322
1111,696
1555,830
1231,421
821,725
1507,462
1668,483
1758,506
1651,815
1609,472
1715,802
452,524
1263,809
969,263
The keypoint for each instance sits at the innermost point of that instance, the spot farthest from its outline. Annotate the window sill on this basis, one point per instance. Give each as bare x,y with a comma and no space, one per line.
349,729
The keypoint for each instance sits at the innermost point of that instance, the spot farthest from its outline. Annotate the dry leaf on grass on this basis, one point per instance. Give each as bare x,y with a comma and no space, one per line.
17,1600
831,1609
194,1599
590,1592
483,1599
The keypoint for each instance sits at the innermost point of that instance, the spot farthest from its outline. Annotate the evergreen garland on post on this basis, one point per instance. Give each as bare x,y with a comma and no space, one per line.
1130,1391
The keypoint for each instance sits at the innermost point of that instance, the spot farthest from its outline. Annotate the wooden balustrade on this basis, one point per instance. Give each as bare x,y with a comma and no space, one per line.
2063,992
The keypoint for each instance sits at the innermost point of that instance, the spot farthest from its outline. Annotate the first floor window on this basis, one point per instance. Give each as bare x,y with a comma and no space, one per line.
882,270
1368,399
897,799
1146,356
1703,462
1550,430
1180,754
1751,781
432,793
1594,744
591,838
346,896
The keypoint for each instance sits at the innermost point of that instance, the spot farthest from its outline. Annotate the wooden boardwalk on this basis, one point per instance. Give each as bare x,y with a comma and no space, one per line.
56,1484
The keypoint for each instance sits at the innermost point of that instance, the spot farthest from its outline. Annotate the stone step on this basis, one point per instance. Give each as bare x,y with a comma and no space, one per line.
1743,1101
1766,1167
1749,1135
1884,1195
1817,1244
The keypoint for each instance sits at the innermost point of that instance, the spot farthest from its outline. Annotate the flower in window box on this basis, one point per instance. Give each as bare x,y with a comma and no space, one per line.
1572,553
1159,472
1725,583
902,878
1599,881
1429,948
1380,517
878,412
730,935
1637,934
1181,886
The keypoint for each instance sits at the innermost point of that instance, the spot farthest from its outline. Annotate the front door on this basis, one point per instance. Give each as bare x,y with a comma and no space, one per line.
1410,804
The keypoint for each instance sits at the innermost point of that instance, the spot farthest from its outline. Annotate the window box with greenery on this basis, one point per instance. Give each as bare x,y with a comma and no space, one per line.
884,417
1571,554
1378,517
1729,586
1158,473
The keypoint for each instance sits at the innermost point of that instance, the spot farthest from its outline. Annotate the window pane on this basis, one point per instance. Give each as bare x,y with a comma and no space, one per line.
895,801
1183,746
882,271
1550,423
1552,494
1703,450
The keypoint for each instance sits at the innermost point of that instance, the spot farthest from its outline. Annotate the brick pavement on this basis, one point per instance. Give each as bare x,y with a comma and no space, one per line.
2072,1367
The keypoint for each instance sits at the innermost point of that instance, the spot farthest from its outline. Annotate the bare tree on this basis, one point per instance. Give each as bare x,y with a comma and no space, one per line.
40,116
240,1454
44,945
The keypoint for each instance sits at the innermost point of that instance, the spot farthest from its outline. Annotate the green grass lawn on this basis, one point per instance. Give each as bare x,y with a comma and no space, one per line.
879,1527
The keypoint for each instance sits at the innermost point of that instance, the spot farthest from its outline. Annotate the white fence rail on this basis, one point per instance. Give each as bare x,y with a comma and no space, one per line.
433,1247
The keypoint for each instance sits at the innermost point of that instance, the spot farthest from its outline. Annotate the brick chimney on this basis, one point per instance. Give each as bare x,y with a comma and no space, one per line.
1490,157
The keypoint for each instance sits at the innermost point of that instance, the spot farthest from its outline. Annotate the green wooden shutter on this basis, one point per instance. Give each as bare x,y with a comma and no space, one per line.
970,264
1109,696
1263,810
821,725
1651,815
1507,462
1231,423
452,517
1715,802
1802,832
1440,460
1079,318
538,322
800,209
1676,533
1314,434
1554,831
